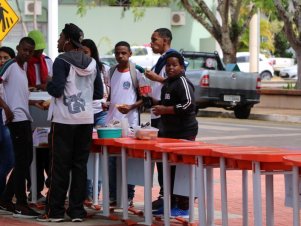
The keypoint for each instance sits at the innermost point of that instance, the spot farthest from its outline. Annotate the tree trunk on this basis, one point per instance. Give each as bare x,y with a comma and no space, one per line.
229,50
229,58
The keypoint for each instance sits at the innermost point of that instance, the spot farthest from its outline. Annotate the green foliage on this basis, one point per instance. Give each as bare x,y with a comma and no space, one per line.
81,7
290,85
138,6
267,38
281,45
235,30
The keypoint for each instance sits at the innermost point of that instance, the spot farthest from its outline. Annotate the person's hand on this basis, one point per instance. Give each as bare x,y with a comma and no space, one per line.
105,106
49,78
38,104
9,114
123,108
41,87
153,76
46,104
158,109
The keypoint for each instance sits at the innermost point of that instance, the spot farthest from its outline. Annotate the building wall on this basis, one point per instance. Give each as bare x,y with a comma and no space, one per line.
108,25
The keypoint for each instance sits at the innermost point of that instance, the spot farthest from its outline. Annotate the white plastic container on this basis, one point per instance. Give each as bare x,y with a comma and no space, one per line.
146,133
124,127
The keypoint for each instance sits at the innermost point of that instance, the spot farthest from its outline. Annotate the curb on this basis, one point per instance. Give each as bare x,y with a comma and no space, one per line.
264,117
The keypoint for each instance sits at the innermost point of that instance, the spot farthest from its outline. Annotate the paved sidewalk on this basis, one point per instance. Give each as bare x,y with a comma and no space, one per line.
283,214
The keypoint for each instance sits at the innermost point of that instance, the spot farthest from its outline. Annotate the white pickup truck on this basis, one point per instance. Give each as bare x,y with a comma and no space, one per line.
279,63
216,87
141,55
144,56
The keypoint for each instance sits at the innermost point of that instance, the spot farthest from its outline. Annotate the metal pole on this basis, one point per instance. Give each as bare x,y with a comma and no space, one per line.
52,28
254,42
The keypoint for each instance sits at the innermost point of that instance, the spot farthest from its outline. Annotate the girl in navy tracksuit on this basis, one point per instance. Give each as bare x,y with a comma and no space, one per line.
178,119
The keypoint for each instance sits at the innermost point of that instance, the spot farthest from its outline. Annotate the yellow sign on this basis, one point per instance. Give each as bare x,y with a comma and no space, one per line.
8,18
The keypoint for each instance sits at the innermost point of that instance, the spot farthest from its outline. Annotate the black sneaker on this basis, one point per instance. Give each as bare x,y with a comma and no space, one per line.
7,207
40,198
24,211
77,219
45,218
113,202
130,202
157,204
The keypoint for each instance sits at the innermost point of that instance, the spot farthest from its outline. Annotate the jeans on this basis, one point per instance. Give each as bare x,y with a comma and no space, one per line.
7,154
112,181
89,194
100,118
90,170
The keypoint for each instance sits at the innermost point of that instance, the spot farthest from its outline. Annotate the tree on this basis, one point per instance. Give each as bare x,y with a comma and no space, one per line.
134,4
234,19
227,28
290,13
267,38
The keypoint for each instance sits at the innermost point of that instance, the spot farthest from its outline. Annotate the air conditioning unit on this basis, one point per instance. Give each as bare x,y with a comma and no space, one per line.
177,18
29,7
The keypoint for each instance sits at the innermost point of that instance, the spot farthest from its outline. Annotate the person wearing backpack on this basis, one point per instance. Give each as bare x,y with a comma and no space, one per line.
161,44
124,80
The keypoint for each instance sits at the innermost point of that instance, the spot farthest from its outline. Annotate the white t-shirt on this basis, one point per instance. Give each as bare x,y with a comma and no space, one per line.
156,89
96,104
123,92
49,64
16,93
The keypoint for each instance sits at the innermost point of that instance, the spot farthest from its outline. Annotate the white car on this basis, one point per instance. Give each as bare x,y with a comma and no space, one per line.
289,72
141,55
266,70
144,56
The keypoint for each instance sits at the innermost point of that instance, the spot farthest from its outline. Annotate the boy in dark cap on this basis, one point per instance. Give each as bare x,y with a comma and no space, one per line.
75,83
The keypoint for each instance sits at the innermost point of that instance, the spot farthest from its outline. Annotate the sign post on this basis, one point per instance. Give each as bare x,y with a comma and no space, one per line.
8,18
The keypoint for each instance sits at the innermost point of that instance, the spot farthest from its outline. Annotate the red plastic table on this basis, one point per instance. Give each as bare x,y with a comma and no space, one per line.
205,149
295,162
141,149
266,159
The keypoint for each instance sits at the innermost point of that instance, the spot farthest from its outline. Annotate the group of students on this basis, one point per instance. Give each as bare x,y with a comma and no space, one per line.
85,93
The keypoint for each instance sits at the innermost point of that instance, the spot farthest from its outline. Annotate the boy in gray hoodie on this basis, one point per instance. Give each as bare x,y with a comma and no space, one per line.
75,83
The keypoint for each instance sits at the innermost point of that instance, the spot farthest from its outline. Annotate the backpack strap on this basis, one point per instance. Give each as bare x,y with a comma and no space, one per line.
6,65
111,71
133,74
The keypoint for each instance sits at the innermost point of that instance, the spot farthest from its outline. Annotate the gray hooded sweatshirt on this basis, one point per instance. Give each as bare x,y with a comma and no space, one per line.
75,83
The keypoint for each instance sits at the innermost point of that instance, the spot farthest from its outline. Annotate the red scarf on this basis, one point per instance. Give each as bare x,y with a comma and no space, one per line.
31,71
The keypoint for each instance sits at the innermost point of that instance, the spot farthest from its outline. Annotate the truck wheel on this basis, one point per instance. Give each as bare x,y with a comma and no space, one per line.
242,112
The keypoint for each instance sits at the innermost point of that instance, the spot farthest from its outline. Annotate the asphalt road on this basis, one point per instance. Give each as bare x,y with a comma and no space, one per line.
247,132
